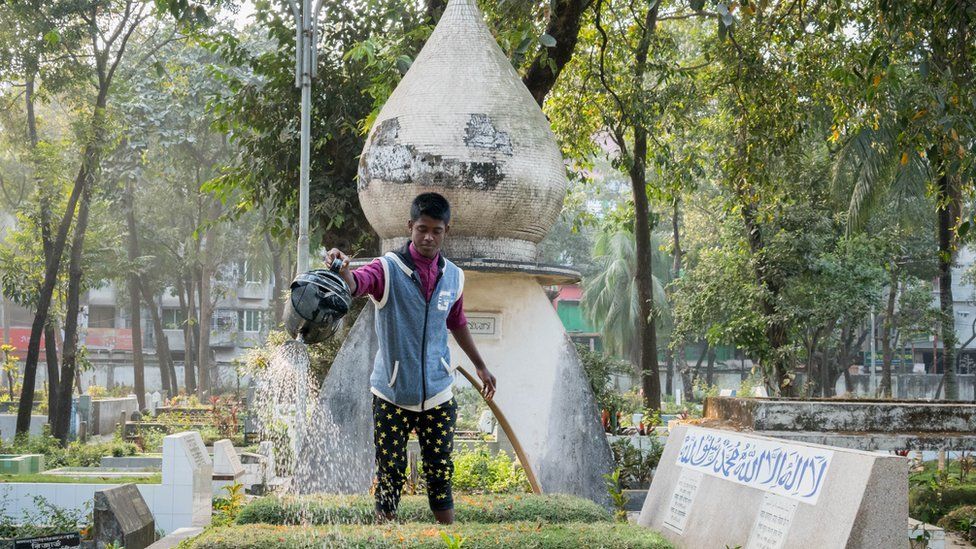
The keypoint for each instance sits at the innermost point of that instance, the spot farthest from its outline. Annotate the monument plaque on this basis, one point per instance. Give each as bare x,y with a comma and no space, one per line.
772,523
682,499
484,324
49,542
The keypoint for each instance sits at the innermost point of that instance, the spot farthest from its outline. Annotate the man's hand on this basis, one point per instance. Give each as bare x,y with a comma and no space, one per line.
487,383
344,271
335,253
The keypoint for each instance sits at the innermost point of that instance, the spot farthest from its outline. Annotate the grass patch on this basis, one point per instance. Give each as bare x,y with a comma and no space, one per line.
87,479
332,509
513,534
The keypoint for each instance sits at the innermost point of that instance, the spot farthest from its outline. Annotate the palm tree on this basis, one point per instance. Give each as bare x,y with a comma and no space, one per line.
610,296
888,174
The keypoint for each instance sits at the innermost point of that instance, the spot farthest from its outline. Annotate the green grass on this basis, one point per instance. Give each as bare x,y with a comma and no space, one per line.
929,473
331,509
154,479
510,534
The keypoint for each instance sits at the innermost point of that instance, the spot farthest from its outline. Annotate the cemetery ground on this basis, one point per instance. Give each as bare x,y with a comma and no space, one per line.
249,506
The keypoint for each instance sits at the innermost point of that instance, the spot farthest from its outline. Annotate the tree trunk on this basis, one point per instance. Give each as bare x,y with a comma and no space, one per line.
138,360
887,331
69,364
50,341
669,372
167,374
646,321
948,213
53,369
280,281
189,334
565,20
84,180
710,367
777,373
203,339
687,381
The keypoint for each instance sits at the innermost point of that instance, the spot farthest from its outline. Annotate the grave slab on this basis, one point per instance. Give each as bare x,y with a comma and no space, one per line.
186,463
122,517
717,488
227,467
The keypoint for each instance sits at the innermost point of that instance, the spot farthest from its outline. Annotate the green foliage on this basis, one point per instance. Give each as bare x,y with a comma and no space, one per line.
512,534
228,507
599,368
76,454
42,519
961,519
634,466
930,502
479,471
610,295
470,405
617,498
492,509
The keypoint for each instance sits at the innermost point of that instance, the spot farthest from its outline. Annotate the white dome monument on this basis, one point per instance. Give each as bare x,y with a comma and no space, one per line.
461,123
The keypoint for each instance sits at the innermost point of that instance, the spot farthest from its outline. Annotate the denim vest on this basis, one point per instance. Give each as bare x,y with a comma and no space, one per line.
412,368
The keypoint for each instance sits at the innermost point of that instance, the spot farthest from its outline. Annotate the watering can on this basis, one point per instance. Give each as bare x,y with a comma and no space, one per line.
318,300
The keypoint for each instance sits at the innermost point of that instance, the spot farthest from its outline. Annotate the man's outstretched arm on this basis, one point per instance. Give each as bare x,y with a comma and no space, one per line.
464,340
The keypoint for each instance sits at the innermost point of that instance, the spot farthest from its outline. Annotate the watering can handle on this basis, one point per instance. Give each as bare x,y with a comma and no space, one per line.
336,265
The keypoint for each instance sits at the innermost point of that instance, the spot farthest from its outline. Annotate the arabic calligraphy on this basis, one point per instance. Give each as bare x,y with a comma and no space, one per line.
790,470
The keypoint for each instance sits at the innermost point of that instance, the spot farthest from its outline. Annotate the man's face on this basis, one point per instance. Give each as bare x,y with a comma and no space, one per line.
427,234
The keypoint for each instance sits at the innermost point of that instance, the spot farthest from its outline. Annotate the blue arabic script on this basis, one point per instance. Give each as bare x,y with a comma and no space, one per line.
785,469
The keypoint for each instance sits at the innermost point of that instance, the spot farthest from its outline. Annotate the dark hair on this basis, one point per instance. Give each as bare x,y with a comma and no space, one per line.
432,205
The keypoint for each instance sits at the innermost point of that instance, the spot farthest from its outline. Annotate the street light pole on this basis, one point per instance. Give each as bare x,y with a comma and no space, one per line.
306,57
874,350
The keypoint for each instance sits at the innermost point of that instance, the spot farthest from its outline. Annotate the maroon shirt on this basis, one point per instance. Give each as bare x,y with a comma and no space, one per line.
369,280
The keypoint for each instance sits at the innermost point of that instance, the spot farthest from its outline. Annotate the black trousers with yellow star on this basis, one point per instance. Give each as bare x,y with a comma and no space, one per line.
435,431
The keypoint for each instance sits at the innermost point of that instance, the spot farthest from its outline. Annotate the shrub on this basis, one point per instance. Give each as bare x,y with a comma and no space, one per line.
331,509
470,536
76,454
41,519
226,508
635,465
479,471
932,501
960,519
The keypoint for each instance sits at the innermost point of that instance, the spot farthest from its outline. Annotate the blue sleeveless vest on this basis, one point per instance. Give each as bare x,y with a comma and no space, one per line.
412,368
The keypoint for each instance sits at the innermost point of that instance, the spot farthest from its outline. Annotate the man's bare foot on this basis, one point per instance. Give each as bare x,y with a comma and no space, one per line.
445,517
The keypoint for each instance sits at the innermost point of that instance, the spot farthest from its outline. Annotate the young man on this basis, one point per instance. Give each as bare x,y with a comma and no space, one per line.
418,298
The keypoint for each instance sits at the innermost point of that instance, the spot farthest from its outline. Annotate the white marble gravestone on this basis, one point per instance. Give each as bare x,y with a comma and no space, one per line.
186,463
718,488
227,467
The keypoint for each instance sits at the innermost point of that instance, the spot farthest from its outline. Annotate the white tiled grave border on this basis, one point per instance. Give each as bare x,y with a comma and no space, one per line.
182,499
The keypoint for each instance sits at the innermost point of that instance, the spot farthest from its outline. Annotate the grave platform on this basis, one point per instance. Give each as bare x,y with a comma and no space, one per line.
862,424
721,488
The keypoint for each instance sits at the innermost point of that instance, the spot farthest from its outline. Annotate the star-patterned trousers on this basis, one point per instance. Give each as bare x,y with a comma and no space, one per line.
435,431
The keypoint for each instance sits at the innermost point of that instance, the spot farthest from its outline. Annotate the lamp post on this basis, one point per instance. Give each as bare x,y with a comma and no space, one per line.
872,388
306,61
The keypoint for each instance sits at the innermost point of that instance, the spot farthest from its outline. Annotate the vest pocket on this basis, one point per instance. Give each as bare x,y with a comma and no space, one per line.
447,366
396,370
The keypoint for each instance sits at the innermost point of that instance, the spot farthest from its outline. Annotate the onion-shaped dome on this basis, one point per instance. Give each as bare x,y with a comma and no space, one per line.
462,123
